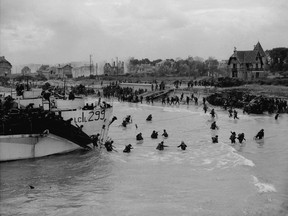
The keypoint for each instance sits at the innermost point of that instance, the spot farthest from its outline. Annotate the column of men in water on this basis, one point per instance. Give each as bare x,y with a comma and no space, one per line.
233,137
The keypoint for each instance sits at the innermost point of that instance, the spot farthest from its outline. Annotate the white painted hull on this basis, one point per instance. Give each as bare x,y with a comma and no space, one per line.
15,147
93,121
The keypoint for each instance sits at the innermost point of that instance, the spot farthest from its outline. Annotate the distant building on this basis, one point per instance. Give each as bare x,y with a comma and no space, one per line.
115,69
248,64
44,70
82,71
47,71
5,67
65,71
26,70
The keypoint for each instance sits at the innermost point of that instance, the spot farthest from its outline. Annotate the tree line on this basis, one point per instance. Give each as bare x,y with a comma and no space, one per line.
278,60
191,66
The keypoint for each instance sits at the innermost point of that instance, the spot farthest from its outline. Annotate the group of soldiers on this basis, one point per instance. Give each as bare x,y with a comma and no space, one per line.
233,136
139,138
174,100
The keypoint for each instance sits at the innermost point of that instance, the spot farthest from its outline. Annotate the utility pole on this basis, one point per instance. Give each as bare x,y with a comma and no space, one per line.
90,64
96,70
117,65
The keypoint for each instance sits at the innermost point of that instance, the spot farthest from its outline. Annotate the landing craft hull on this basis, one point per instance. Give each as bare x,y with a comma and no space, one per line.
25,146
93,121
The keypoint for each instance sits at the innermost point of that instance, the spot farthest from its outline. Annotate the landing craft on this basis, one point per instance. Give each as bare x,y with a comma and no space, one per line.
25,139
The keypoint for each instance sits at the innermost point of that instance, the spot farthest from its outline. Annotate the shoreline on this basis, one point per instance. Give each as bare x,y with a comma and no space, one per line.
264,90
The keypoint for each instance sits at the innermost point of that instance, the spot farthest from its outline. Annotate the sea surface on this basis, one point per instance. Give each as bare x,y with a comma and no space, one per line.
206,179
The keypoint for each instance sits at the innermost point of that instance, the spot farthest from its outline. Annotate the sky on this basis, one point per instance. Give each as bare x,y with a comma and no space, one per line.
61,31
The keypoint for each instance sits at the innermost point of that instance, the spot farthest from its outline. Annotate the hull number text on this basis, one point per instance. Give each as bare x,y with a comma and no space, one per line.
90,116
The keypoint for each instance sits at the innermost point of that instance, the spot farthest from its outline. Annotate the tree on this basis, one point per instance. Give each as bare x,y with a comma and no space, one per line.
164,70
279,57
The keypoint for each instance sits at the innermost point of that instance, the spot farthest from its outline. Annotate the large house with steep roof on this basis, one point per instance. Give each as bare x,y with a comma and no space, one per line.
5,67
248,65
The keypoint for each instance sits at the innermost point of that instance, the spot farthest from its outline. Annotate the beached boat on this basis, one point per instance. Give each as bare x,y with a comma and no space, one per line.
85,121
93,116
33,132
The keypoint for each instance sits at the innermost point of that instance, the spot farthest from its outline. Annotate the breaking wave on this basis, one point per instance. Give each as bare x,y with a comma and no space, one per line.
263,187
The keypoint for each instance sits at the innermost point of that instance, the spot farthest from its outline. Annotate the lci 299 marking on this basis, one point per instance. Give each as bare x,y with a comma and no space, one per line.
90,116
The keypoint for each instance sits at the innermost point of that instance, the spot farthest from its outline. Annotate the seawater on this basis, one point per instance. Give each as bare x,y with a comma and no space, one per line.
206,179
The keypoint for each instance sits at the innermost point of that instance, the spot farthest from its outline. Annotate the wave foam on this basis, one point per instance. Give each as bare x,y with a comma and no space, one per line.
263,187
240,160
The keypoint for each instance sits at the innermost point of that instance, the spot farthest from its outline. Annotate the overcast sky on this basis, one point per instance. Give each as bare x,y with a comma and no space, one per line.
59,31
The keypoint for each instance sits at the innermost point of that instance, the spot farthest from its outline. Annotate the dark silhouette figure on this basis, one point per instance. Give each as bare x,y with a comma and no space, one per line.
109,145
214,126
183,146
95,139
230,112
215,139
124,123
128,148
165,134
260,134
241,137
276,116
149,118
235,114
128,119
139,137
154,135
161,146
233,137
205,108
213,113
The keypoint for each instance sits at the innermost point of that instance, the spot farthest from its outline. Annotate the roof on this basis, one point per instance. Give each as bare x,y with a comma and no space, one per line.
259,48
43,67
245,56
67,65
248,56
3,60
